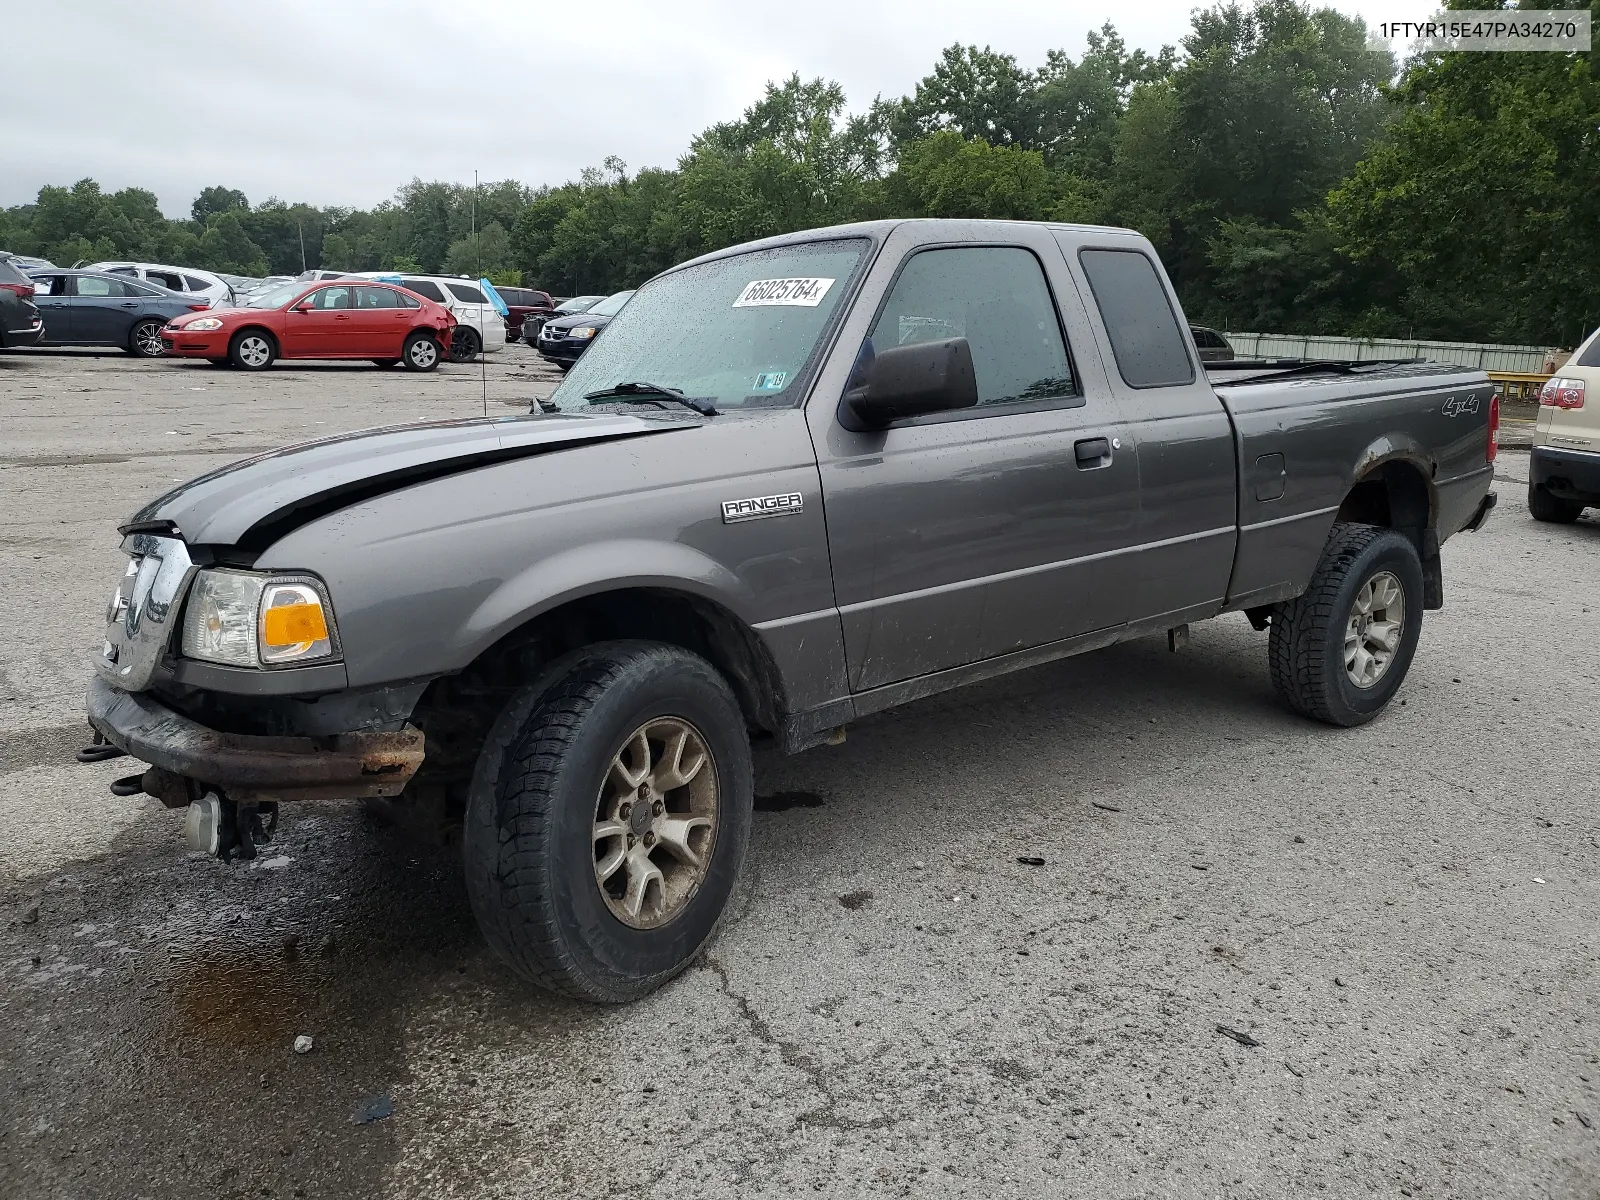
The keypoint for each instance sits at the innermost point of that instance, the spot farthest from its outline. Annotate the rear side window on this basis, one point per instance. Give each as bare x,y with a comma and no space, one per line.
995,297
166,279
1145,336
425,287
98,285
138,289
195,285
467,294
374,297
405,301
1591,354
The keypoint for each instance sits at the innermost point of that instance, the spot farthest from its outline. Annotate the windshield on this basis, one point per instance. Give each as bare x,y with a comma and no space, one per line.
611,305
275,297
736,331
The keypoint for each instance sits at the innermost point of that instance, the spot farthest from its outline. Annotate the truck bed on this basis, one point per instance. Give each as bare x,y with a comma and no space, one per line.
1298,428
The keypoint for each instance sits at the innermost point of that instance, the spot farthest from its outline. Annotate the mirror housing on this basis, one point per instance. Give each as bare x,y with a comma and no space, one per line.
303,306
910,381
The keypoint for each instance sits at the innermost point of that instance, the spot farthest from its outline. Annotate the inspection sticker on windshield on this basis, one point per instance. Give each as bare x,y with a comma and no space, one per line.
807,293
771,381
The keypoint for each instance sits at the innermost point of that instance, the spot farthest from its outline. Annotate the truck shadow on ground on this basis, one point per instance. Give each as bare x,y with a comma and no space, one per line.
153,996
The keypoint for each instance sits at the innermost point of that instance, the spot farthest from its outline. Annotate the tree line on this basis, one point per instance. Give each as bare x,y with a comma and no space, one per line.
1290,178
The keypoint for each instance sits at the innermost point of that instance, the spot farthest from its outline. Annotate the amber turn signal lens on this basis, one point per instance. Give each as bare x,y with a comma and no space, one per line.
293,624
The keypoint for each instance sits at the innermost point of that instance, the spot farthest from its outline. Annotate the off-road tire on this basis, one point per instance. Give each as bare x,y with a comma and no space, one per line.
528,841
1557,511
1306,646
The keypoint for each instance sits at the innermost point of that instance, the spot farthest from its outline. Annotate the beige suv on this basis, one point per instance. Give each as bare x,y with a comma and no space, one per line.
1564,478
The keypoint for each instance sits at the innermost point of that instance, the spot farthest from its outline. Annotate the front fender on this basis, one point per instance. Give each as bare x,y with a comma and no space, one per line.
605,566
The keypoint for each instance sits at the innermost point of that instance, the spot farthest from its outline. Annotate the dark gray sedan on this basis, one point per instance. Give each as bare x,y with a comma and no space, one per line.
92,308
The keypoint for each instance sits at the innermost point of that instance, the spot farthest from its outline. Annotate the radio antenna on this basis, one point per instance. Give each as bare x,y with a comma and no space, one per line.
477,258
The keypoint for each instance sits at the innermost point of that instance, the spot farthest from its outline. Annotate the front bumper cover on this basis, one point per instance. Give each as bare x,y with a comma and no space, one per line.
250,768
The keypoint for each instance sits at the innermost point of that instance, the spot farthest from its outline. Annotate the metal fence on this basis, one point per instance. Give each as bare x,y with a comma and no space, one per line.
1512,360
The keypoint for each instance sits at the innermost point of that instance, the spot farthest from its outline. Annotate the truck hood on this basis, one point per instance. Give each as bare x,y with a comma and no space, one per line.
254,502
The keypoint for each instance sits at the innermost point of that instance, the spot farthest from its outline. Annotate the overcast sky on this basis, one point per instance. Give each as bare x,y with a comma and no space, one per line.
340,103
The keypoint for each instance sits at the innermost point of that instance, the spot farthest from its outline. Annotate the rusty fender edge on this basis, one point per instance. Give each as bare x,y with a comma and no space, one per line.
349,765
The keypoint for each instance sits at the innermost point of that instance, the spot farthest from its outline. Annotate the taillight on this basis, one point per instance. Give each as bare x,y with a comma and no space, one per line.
1492,448
198,307
24,290
1562,393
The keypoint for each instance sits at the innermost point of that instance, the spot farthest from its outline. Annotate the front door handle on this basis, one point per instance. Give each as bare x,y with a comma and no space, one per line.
129,304
1092,452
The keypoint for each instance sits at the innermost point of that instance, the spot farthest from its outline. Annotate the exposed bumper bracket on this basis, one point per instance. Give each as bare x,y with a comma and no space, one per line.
253,769
1490,499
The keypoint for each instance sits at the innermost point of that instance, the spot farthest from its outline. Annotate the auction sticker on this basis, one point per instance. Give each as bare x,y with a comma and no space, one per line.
806,293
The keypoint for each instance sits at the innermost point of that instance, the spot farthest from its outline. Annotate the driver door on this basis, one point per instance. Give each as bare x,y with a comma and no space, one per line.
318,324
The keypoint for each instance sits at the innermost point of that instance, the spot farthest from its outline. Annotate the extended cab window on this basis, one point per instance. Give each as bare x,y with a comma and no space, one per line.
1144,332
995,297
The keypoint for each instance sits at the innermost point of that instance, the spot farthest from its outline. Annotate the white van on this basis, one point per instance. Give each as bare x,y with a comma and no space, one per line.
479,326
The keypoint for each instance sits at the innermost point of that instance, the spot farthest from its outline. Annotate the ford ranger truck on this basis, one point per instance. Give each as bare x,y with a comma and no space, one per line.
797,482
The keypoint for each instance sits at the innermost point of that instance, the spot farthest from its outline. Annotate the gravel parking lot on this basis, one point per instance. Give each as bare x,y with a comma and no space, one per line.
1398,922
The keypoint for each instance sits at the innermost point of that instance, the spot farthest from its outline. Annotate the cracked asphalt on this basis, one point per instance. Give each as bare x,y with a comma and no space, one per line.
983,948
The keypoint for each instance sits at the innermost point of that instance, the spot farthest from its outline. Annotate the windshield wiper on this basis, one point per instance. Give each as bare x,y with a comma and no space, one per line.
638,391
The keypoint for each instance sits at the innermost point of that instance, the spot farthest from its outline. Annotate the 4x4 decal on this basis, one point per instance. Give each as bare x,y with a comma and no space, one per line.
1454,406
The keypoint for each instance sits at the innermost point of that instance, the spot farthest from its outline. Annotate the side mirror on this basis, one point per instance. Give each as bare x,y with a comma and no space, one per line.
304,306
908,381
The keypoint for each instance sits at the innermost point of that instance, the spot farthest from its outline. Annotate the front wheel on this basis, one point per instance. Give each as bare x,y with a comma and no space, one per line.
1545,507
1339,652
251,350
420,353
144,340
464,344
607,820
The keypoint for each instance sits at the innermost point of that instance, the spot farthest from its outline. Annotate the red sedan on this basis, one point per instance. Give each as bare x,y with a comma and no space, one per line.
326,319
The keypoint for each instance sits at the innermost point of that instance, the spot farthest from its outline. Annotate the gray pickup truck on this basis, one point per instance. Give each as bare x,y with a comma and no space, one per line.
794,483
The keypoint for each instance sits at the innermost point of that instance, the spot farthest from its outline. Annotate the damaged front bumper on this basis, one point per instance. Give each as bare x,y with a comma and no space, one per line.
251,769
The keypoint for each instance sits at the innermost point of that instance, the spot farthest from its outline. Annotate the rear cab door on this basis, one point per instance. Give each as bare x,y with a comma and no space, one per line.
967,535
1181,554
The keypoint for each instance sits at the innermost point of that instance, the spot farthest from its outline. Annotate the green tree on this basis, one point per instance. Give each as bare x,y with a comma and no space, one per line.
218,199
225,246
947,175
1483,197
488,253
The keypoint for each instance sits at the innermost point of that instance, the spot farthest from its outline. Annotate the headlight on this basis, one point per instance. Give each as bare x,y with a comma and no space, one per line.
243,619
202,323
583,331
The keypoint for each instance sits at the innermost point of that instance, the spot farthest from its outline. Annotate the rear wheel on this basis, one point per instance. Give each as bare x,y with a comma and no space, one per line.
607,820
251,350
144,340
1340,651
420,353
1553,509
464,344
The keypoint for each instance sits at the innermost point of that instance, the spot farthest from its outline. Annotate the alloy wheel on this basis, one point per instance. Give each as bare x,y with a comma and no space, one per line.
148,339
1374,628
254,351
655,822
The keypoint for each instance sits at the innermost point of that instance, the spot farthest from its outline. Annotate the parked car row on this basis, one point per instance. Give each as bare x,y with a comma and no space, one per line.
563,339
